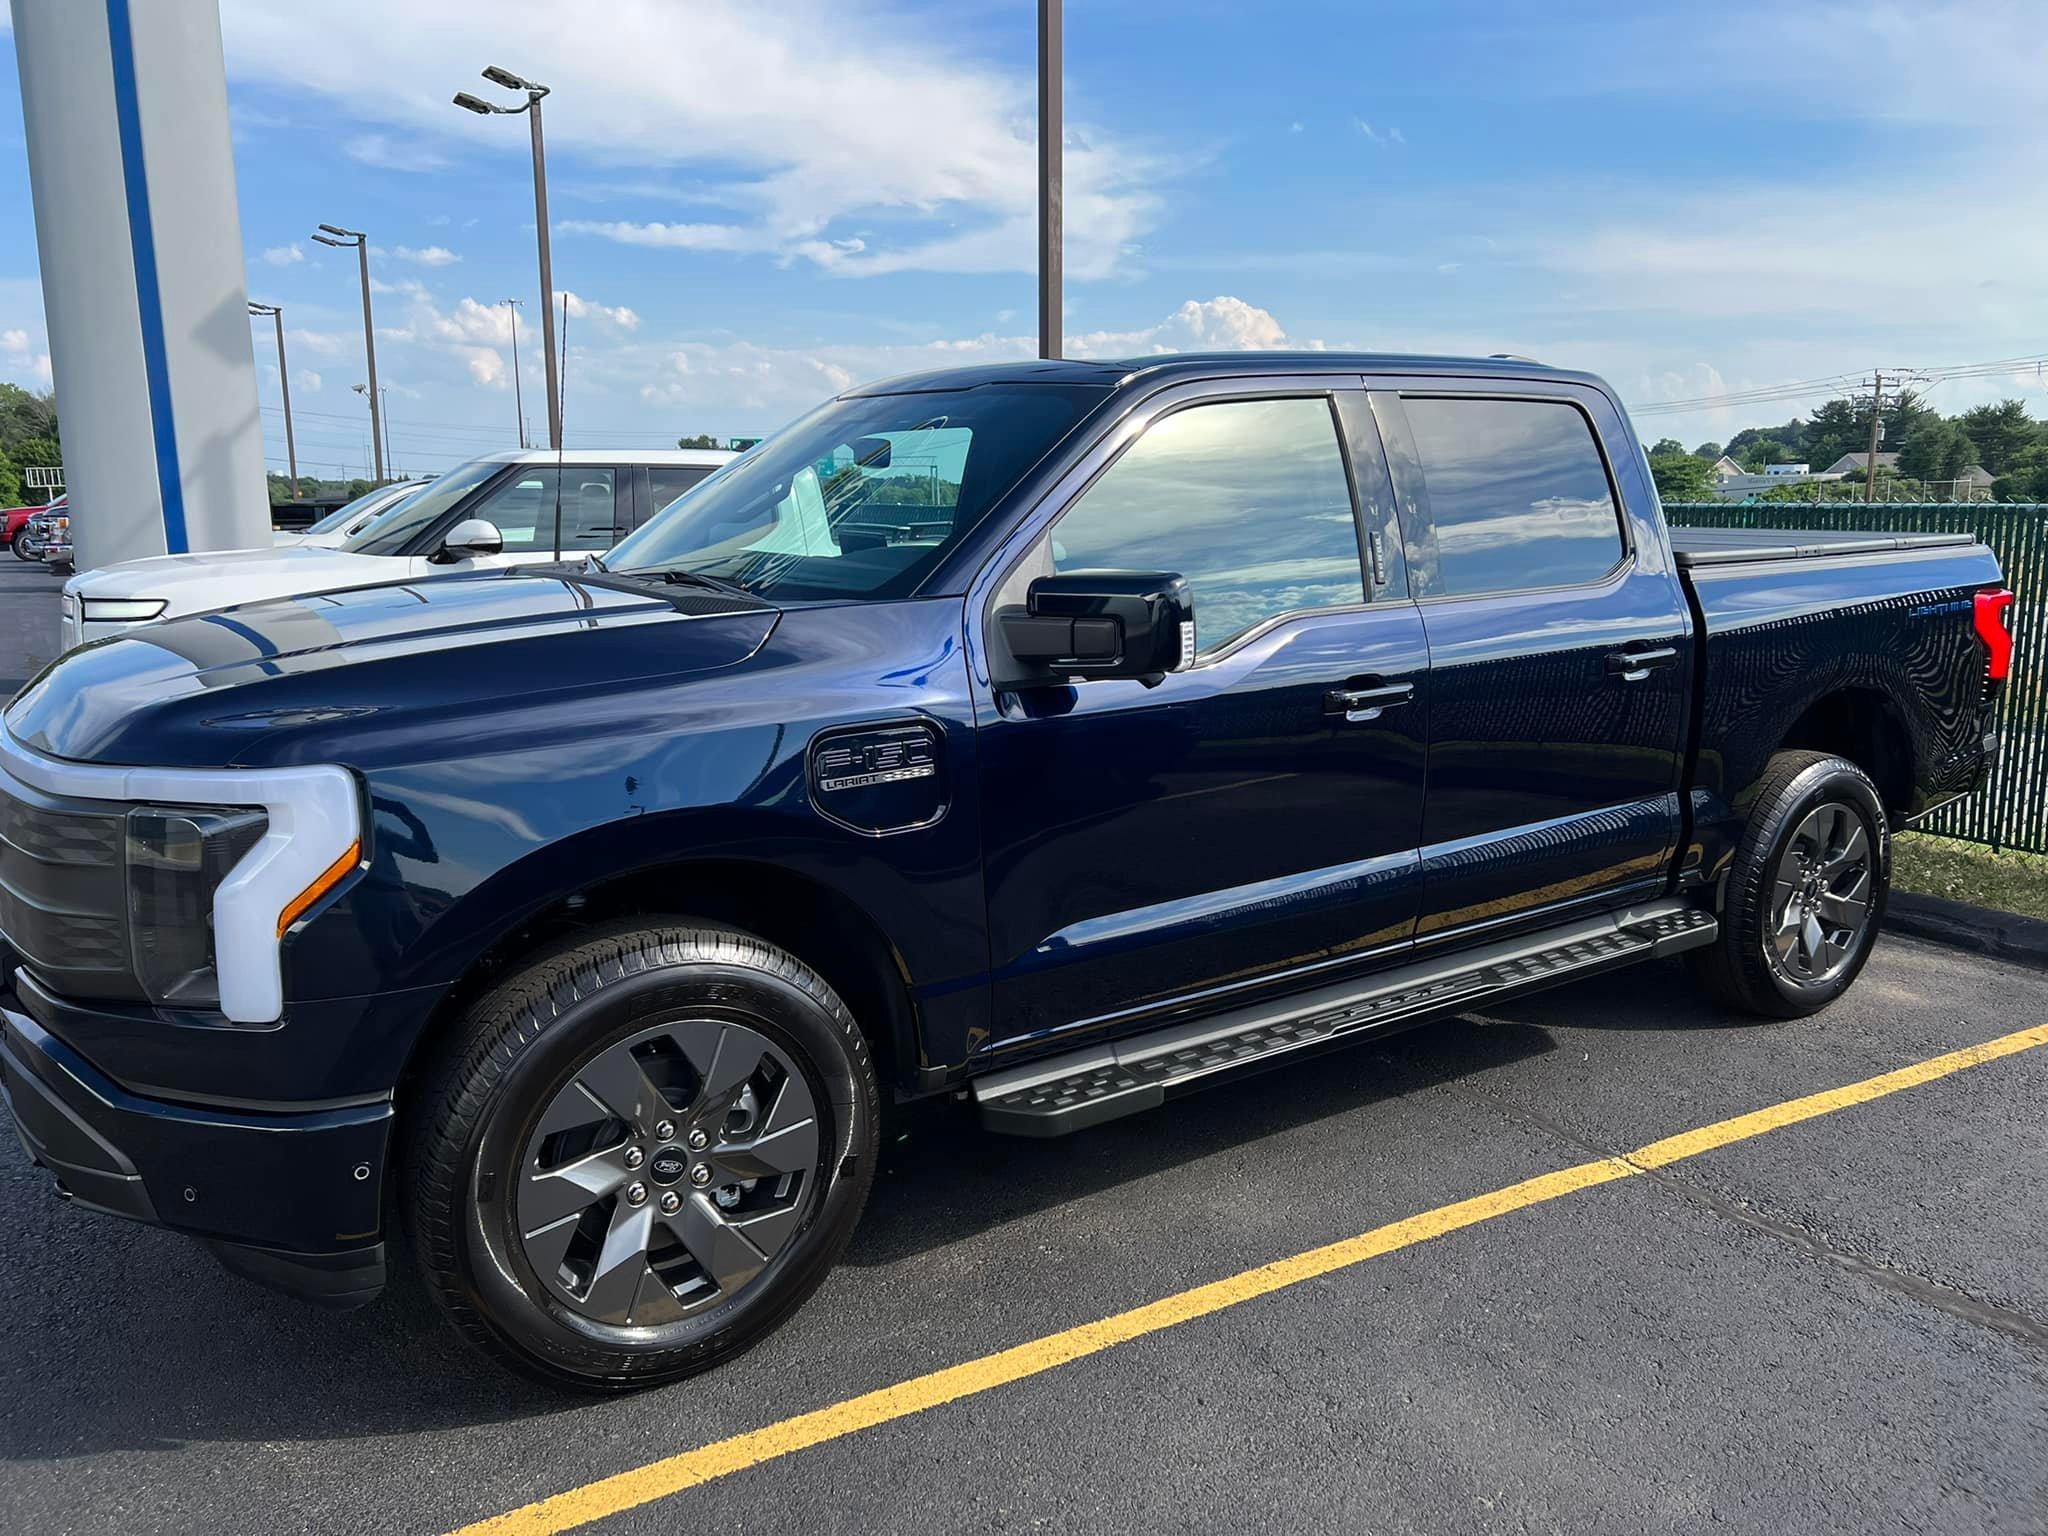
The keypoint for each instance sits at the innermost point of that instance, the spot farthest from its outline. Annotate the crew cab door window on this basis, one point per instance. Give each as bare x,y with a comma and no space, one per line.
523,510
1518,493
590,520
1248,499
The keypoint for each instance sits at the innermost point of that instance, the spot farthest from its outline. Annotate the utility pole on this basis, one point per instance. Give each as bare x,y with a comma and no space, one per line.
342,239
390,460
284,383
534,93
1876,427
518,400
1051,242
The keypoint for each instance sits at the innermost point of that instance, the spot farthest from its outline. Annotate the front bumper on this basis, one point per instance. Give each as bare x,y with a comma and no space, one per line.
292,1200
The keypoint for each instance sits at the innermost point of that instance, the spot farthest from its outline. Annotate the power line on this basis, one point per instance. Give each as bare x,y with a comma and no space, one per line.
1838,384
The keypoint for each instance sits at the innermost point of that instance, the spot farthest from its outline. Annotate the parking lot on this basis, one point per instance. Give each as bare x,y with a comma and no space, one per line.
1828,1318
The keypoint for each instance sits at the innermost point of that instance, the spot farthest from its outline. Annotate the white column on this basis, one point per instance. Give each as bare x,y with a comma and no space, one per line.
144,295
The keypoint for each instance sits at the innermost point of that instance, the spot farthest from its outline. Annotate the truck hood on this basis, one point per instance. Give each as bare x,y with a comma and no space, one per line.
313,677
195,583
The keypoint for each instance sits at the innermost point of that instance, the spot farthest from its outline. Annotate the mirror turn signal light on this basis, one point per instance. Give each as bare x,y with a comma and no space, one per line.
326,881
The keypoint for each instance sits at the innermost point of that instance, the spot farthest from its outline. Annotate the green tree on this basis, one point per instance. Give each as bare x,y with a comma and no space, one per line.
1681,476
1838,427
2002,432
1762,451
1709,451
2027,479
10,483
1937,450
1667,445
1790,438
36,453
25,415
701,440
1902,418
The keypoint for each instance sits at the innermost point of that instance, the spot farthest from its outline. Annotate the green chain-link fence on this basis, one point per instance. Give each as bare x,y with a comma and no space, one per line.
2012,810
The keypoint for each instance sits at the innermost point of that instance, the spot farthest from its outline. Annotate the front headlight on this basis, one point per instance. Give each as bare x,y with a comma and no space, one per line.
122,610
176,862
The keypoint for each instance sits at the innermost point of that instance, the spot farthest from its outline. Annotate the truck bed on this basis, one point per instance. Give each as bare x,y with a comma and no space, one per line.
1733,546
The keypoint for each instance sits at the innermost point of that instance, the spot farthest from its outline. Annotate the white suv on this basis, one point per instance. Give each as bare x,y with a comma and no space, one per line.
523,507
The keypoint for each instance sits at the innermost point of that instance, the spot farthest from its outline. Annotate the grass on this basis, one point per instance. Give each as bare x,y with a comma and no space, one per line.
1983,877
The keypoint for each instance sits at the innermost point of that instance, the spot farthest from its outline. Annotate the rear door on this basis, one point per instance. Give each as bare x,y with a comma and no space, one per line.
1249,821
1559,650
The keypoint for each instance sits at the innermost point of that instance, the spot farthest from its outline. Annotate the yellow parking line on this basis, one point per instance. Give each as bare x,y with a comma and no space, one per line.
673,1474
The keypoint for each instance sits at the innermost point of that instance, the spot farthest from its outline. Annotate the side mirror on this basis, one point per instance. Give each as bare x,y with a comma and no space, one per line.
470,539
1095,624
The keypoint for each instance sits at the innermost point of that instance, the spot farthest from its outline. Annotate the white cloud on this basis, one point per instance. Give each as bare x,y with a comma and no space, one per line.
15,345
1294,127
285,255
1223,324
428,256
309,382
325,343
616,316
389,154
799,138
486,367
1366,128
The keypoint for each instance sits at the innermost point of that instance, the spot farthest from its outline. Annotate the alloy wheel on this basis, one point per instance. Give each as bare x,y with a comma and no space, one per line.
1820,895
668,1172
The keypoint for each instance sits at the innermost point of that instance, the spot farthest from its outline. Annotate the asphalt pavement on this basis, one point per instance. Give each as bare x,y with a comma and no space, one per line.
1839,1323
28,620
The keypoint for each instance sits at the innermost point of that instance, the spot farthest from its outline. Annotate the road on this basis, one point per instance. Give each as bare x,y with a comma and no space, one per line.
1835,1323
28,620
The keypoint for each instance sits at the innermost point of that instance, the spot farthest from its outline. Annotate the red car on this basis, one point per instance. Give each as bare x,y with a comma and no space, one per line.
14,534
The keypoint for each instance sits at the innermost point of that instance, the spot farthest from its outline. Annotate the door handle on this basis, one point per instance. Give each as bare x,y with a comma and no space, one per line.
1634,666
1359,705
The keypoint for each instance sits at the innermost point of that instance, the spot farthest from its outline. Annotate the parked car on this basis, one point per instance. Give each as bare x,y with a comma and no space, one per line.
15,532
53,537
333,530
498,510
1067,736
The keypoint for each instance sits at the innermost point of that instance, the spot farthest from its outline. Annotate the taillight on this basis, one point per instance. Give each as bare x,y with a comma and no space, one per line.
1991,607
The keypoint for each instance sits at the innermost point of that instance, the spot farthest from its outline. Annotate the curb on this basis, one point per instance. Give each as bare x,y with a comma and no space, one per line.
1982,930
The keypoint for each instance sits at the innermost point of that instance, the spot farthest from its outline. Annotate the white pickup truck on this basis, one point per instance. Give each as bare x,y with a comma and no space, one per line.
520,507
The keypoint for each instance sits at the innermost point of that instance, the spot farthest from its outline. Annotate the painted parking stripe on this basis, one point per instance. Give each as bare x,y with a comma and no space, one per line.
673,1474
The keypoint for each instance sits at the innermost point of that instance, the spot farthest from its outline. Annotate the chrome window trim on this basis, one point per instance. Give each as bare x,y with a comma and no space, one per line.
315,817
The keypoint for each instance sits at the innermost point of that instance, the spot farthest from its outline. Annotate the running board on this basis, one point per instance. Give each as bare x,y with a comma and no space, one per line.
1082,1088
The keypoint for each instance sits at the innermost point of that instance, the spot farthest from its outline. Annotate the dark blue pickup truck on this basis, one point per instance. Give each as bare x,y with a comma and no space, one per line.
1064,736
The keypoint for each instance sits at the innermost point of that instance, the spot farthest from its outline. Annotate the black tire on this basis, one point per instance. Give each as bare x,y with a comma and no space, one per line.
20,546
1741,968
536,1037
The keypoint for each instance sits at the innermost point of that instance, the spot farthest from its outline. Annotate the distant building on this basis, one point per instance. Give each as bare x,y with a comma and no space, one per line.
1780,471
1752,487
1855,463
1725,468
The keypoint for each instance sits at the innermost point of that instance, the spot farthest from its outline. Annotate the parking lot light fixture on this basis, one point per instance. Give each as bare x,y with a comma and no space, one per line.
499,75
275,312
346,239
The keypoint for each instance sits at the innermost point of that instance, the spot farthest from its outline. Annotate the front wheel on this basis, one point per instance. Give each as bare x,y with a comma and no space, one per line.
1806,889
23,549
641,1154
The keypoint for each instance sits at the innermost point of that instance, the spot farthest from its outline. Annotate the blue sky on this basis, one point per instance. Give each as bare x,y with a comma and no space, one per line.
757,203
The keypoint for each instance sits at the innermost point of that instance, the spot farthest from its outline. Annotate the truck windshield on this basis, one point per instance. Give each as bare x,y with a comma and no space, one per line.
390,534
861,498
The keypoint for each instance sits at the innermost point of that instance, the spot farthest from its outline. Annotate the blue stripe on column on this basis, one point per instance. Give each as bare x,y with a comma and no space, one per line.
148,298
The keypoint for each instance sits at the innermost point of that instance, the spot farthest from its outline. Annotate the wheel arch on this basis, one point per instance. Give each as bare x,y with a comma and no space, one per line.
814,920
1865,726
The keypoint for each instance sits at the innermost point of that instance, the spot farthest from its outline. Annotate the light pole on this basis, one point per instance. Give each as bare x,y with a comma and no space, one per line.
343,239
534,93
284,383
518,399
374,396
1051,217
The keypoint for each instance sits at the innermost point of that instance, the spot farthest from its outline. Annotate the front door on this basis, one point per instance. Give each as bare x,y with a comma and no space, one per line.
1250,821
1559,652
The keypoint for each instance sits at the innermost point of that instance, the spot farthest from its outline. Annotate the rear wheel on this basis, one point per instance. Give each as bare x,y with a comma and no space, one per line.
1806,889
23,550
641,1154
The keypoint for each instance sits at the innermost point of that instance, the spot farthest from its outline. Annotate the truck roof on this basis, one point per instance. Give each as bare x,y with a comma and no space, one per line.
713,457
1109,372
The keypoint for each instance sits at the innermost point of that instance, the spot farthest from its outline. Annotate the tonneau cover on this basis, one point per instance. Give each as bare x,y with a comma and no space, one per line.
1731,546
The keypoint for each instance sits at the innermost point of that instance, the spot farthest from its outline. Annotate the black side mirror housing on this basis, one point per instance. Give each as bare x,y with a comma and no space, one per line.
1097,624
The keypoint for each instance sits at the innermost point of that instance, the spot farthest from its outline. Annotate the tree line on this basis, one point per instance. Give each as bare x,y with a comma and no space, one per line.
2003,438
28,440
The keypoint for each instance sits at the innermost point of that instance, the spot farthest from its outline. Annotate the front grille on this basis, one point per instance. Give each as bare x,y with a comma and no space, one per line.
63,891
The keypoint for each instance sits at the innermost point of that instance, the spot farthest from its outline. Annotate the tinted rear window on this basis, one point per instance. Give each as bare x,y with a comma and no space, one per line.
1518,493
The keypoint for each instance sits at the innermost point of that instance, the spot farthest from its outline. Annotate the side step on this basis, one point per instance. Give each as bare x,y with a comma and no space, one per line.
1082,1088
